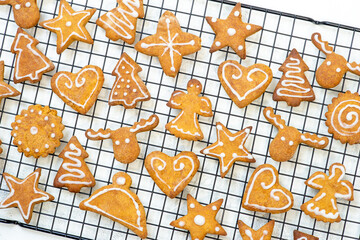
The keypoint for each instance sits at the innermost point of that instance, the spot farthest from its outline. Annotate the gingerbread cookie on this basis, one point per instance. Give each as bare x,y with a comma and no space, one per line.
186,125
1,150
232,32
169,44
263,233
172,174
69,26
37,131
303,236
323,206
128,89
79,90
118,203
30,63
24,194
293,87
285,143
73,172
229,148
332,70
264,193
26,12
125,144
200,220
120,22
342,117
5,89
244,84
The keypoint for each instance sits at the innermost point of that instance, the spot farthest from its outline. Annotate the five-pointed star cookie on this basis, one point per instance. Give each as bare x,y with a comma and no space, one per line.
264,233
69,26
169,44
24,194
229,147
232,32
5,89
200,220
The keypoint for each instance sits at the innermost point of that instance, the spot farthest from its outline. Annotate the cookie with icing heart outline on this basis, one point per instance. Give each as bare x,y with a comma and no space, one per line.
172,174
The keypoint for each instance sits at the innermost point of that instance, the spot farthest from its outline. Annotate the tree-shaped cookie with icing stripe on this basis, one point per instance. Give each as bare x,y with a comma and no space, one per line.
323,206
73,172
263,233
120,22
128,88
5,89
284,145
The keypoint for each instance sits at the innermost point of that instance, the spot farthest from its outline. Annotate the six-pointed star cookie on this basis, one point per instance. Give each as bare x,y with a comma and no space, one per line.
69,26
5,89
24,194
229,148
169,44
232,32
200,220
264,233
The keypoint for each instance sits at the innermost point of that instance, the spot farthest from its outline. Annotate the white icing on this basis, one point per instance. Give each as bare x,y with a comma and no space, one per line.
273,119
213,19
322,195
90,135
291,143
340,109
241,47
231,31
236,13
322,44
321,212
199,220
181,223
217,229
338,69
120,181
17,6
248,233
248,27
328,63
217,43
214,208
127,140
356,68
147,123
192,205
68,23
52,135
28,4
117,142
321,142
314,185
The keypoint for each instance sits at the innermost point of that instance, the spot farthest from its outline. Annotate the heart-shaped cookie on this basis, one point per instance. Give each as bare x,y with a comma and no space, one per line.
244,84
172,174
264,193
79,90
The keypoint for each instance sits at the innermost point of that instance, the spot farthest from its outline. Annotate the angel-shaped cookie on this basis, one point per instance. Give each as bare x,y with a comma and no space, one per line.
186,125
323,207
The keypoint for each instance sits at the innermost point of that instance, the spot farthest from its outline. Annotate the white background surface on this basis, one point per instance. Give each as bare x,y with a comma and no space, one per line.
345,12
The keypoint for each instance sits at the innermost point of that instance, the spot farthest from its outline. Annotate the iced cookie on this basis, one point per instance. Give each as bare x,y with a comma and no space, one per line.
26,12
303,236
263,233
5,89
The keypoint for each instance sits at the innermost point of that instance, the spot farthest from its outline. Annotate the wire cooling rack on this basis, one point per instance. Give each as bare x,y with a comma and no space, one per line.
281,32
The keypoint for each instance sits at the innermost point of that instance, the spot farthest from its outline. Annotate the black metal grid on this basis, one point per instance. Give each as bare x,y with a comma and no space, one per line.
270,46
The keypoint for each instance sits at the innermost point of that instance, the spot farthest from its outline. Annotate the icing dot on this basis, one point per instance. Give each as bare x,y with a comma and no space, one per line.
52,125
40,112
217,43
127,140
33,130
16,128
199,220
265,232
214,208
182,166
118,86
127,86
19,121
122,80
27,149
282,138
120,180
52,135
117,142
17,6
222,154
25,115
248,27
127,72
115,93
236,13
46,118
219,127
172,69
19,142
181,223
221,144
192,205
123,67
134,90
68,24
32,110
231,31
217,229
167,20
291,143
46,145
328,63
240,47
338,69
36,150
28,4
15,134
125,93
128,81
213,19
234,155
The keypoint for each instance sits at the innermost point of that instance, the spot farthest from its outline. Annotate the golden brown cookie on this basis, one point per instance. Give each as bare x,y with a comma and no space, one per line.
294,87
323,206
172,174
37,131
303,236
5,89
343,117
229,148
263,233
118,203
128,88
169,44
30,63
26,12
232,32
79,90
69,26
264,193
73,172
186,125
332,70
285,143
244,84
120,22
24,194
200,220
125,144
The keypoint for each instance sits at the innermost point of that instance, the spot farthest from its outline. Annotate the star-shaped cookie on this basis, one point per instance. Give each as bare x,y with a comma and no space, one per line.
5,89
169,44
200,220
229,147
24,194
232,32
264,233
69,26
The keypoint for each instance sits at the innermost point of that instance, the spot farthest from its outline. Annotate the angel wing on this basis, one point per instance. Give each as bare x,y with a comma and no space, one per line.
317,180
205,107
177,99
